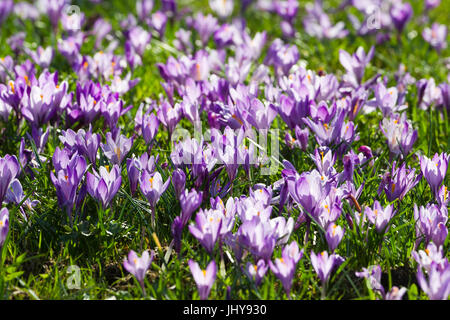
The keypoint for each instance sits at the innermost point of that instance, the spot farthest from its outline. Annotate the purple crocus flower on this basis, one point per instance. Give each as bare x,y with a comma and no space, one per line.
4,225
143,8
434,170
373,275
398,182
400,14
189,201
152,188
323,264
104,185
158,22
206,228
84,142
256,271
42,57
334,236
169,116
203,278
430,4
436,36
258,237
116,149
399,133
150,125
15,195
139,39
69,172
9,168
437,286
138,266
284,267
178,181
6,7
430,224
355,65
432,253
379,216
205,26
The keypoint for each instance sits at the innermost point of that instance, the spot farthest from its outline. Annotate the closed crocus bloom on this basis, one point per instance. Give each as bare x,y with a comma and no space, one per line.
9,168
256,271
116,149
334,236
434,170
379,216
134,171
430,4
6,7
437,284
138,266
203,278
190,201
104,185
67,178
400,14
143,8
150,125
323,264
178,181
4,225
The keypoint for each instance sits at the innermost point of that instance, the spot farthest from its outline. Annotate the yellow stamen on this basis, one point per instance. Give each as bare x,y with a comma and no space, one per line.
325,125
204,273
107,168
237,119
151,182
135,261
27,81
355,108
118,152
255,267
321,153
427,251
11,84
393,187
85,64
281,260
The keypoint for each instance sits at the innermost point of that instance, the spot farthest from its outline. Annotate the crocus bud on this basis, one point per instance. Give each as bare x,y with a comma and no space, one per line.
179,181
